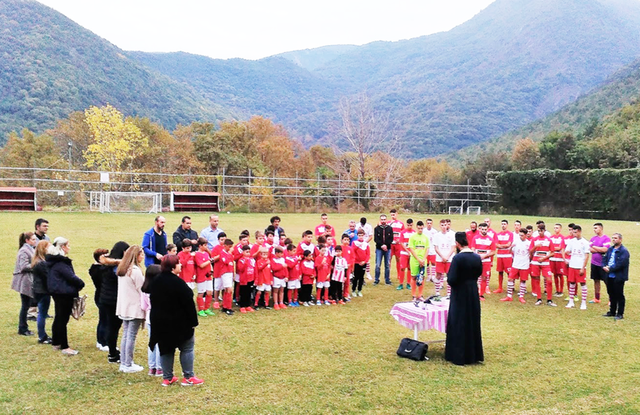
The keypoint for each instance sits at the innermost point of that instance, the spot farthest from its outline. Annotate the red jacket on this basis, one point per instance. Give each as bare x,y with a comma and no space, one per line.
293,266
188,272
323,268
202,274
361,255
226,264
308,271
279,268
263,272
348,254
246,270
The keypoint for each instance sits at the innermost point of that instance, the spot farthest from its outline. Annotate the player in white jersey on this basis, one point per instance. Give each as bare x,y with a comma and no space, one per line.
579,249
430,231
519,267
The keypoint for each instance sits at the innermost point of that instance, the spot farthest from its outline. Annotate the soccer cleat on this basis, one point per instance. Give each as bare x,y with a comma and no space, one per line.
292,304
209,312
227,311
522,300
319,302
282,306
191,381
408,286
570,305
594,301
276,306
251,310
583,306
558,294
327,302
498,291
551,303
341,302
216,305
296,304
201,313
482,298
507,299
169,382
400,287
243,310
538,302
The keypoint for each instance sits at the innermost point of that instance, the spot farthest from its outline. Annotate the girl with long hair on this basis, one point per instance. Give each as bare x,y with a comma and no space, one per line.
40,271
23,278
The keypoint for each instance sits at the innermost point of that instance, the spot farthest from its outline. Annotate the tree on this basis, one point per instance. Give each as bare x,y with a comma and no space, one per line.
555,150
476,171
32,151
526,155
116,143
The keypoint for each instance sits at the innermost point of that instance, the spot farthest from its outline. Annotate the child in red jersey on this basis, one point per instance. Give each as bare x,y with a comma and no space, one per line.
246,267
204,281
188,271
308,272
255,248
307,245
293,271
270,242
347,253
217,265
264,277
362,255
225,280
282,241
280,277
237,254
323,271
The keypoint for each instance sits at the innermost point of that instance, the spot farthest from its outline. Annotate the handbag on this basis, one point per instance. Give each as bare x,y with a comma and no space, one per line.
79,307
413,349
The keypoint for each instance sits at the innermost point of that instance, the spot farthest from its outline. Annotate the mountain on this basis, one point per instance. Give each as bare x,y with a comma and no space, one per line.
51,66
622,88
313,59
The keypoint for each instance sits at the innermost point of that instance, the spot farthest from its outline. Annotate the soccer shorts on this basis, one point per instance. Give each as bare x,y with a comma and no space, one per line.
431,259
504,264
205,286
486,270
293,285
264,287
279,283
227,280
557,267
191,285
404,261
541,270
597,273
325,284
217,284
522,274
442,267
575,277
414,268
396,249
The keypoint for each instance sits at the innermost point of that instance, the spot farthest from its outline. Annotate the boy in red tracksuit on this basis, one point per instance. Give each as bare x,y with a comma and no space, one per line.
280,277
264,277
186,257
255,249
246,267
215,257
362,255
347,253
237,254
225,263
308,272
204,281
307,245
323,270
293,281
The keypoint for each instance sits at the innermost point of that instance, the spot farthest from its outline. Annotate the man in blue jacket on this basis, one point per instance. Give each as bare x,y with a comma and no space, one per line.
616,265
154,242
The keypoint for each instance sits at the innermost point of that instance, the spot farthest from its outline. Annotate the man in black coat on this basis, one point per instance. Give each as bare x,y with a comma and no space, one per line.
184,231
616,265
383,237
464,337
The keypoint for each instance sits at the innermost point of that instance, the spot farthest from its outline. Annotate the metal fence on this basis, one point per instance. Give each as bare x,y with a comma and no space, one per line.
71,189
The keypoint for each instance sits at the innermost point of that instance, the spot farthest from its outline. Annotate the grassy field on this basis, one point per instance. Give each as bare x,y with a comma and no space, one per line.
340,359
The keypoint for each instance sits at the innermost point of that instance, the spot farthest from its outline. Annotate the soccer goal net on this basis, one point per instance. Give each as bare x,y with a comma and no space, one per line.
455,210
473,210
108,202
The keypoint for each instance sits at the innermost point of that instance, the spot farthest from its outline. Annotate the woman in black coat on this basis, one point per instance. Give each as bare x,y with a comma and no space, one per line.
64,285
173,320
464,339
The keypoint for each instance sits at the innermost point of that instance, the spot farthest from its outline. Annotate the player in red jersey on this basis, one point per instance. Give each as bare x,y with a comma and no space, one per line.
404,255
396,245
490,231
472,232
556,261
246,267
485,246
504,240
540,250
225,280
217,265
321,229
349,255
307,245
188,271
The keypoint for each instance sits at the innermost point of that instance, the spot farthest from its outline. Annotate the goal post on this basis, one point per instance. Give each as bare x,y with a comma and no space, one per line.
455,210
474,210
125,202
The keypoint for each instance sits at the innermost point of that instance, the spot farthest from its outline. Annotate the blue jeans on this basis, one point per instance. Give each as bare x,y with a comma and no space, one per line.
387,261
153,356
44,301
186,359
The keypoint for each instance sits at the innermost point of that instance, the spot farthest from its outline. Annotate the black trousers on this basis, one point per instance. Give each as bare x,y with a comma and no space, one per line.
615,289
23,327
305,292
63,306
245,294
113,327
358,277
336,290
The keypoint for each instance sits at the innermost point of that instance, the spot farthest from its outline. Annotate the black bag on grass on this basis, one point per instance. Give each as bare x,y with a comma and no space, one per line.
413,349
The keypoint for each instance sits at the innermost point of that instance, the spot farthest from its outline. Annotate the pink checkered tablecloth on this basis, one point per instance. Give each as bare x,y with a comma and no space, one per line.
419,318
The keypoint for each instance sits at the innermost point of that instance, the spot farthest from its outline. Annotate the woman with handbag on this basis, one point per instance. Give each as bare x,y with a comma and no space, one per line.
23,278
129,307
40,271
64,286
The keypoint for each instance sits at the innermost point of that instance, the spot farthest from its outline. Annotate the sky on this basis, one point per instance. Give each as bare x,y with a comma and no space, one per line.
253,29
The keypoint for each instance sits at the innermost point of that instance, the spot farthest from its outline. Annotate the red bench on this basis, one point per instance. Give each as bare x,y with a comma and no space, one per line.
18,198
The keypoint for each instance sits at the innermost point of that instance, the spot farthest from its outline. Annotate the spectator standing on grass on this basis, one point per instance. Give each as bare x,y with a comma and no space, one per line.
109,297
129,306
64,285
599,243
383,237
153,355
41,229
23,278
211,232
616,265
277,229
40,271
183,232
173,320
154,242
96,272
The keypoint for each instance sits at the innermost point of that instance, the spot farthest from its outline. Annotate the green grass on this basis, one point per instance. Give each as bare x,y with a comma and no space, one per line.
539,360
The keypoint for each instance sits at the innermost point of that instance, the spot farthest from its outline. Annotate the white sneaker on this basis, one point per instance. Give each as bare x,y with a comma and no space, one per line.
359,293
583,306
131,369
369,277
305,304
102,348
318,302
570,305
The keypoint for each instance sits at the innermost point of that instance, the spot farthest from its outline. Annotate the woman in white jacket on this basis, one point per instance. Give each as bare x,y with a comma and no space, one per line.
128,306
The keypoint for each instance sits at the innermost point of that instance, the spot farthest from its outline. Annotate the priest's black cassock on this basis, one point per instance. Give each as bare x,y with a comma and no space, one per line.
464,339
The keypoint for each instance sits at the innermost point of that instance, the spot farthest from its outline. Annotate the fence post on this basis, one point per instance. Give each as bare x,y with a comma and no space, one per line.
318,193
249,190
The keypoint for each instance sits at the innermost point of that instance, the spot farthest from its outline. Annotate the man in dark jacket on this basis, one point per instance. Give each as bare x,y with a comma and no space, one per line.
616,265
184,231
383,237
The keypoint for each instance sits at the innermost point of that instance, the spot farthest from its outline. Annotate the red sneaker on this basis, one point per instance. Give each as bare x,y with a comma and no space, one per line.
341,302
276,306
333,302
169,382
216,305
506,299
191,381
282,306
521,299
243,310
482,298
251,310
498,291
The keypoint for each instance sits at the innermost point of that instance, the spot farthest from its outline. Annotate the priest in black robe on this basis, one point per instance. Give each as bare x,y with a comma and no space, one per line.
464,339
